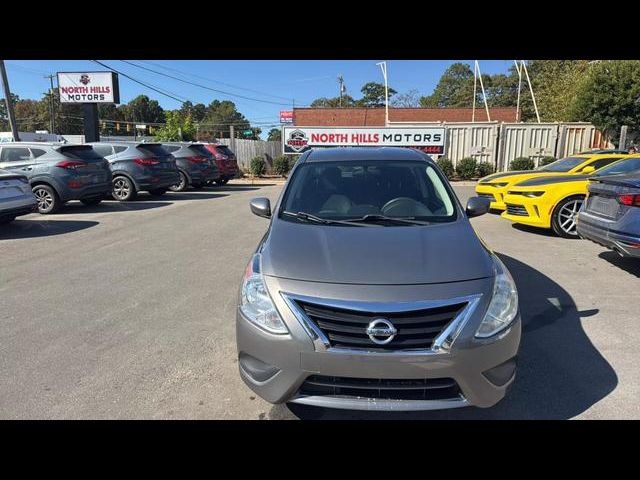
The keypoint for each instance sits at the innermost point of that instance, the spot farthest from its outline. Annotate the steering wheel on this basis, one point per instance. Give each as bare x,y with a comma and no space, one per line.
404,207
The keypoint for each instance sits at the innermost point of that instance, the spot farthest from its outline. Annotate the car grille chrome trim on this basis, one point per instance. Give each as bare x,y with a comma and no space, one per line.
517,210
441,344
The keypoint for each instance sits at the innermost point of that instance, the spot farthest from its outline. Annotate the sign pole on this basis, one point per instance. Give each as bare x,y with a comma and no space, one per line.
91,126
7,97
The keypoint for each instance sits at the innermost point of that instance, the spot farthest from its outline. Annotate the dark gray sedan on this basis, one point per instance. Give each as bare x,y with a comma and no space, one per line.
16,197
610,215
371,290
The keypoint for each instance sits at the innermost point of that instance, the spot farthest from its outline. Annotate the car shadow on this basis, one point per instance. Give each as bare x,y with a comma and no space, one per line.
173,196
237,188
41,228
110,206
544,232
630,265
560,372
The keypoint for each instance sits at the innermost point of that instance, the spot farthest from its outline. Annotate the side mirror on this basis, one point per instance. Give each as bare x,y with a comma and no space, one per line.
588,170
261,207
477,206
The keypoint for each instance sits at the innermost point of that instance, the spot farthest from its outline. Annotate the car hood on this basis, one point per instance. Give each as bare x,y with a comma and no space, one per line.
398,255
551,180
513,177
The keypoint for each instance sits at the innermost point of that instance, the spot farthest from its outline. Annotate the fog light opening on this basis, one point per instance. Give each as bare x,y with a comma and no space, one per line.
501,374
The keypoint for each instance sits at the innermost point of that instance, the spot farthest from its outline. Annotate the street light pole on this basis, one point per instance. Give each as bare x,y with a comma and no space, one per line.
383,67
7,97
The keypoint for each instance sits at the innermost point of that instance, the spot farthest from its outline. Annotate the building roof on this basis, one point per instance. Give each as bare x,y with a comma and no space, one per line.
374,117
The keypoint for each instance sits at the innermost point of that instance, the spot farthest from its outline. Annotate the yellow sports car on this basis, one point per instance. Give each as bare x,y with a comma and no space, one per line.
495,186
554,201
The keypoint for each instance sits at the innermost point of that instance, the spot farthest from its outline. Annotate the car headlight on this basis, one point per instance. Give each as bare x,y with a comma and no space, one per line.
499,184
503,307
256,304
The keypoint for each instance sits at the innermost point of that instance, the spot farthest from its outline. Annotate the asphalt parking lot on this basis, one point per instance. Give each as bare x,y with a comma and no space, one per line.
127,311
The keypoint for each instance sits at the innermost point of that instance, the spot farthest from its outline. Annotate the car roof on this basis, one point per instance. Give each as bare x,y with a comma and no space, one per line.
34,144
363,153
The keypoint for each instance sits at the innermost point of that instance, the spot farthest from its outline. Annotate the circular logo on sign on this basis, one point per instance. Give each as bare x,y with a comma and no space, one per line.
381,331
84,79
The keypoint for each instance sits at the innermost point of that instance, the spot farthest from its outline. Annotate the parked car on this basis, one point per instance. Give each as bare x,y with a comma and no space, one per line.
59,172
371,290
138,167
196,165
495,186
16,197
610,215
225,160
554,201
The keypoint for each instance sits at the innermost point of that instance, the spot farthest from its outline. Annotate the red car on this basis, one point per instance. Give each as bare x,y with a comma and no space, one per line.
225,161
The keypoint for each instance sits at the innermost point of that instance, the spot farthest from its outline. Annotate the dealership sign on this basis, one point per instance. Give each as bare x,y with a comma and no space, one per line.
88,87
300,139
286,116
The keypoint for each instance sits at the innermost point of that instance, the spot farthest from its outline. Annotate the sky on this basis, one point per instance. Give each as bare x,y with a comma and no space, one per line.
272,85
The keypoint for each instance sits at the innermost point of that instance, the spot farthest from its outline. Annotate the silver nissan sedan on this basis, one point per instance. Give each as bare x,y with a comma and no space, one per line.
371,290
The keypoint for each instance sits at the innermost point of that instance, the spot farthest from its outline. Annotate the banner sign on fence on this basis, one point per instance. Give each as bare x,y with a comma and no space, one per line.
88,87
286,116
297,140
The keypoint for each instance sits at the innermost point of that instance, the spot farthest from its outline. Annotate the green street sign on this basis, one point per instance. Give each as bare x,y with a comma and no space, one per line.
247,132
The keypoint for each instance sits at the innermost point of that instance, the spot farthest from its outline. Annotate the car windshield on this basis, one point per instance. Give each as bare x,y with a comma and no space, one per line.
352,190
563,165
625,166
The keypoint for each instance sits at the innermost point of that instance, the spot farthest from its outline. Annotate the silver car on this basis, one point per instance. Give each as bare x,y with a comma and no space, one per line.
371,290
16,197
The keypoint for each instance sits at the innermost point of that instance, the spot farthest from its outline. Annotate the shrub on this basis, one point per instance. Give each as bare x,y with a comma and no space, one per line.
258,166
521,163
466,168
546,161
484,169
281,165
446,166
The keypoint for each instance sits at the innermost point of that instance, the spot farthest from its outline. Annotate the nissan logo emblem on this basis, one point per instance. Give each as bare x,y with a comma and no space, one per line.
381,331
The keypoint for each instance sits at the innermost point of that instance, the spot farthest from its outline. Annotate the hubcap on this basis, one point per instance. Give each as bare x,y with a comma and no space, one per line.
45,200
121,188
567,216
180,186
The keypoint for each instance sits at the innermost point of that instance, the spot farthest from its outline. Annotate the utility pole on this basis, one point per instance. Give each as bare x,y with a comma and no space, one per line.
7,98
342,89
52,125
383,67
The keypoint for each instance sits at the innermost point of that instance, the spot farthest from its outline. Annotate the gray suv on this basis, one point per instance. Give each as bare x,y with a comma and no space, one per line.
59,172
138,167
196,165
371,290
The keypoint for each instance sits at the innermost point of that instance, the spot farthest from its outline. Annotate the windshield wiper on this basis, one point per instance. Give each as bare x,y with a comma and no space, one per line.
325,221
383,218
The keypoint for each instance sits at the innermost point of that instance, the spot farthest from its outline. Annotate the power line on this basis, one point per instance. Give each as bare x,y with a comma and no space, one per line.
204,86
215,81
155,89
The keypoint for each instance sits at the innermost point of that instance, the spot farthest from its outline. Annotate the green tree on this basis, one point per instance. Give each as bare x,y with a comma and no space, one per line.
176,128
275,134
454,89
143,109
220,115
198,111
410,99
4,116
609,96
373,95
324,102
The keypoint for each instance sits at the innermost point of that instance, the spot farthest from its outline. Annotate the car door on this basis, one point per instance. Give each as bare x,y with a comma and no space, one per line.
17,160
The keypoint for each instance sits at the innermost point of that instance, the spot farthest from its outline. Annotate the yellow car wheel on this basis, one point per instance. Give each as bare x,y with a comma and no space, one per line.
564,216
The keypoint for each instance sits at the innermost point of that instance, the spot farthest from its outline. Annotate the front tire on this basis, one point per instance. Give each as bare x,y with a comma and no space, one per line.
48,200
222,181
123,189
563,221
182,185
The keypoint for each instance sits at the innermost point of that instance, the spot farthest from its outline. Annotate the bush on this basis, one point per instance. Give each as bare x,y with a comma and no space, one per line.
521,163
281,165
546,161
466,168
446,166
258,166
484,169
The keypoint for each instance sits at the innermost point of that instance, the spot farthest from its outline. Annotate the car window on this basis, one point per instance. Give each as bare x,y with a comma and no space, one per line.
564,164
603,162
157,150
200,150
172,148
119,149
351,189
37,152
625,166
103,150
14,154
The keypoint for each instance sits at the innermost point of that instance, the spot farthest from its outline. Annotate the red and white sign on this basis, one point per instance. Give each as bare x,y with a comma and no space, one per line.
286,116
300,139
88,87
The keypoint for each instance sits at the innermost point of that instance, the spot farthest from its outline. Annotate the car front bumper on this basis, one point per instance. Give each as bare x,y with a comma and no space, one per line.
277,366
495,194
527,211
